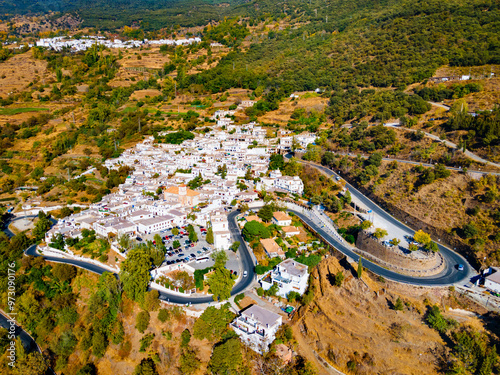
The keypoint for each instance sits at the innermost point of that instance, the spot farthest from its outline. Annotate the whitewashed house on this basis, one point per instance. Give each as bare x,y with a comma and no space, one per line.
291,184
220,229
257,327
289,275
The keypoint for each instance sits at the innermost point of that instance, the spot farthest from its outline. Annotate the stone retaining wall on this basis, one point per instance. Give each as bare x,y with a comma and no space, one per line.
409,264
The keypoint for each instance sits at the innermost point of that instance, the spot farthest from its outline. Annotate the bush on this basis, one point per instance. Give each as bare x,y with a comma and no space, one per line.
142,321
163,315
293,296
469,230
146,341
437,321
239,297
339,278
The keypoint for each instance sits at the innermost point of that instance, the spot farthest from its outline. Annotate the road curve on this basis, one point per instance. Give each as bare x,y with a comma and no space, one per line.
243,283
450,275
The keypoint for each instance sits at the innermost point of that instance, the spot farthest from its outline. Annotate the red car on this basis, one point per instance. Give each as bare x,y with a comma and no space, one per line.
192,245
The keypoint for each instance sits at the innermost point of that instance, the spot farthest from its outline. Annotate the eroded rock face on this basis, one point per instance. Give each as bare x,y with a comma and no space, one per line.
354,327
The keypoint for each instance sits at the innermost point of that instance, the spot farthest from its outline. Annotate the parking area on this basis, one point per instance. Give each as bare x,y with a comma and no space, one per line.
233,263
187,252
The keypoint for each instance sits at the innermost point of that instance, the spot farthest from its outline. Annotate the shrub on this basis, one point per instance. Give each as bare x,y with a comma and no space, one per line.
142,321
163,315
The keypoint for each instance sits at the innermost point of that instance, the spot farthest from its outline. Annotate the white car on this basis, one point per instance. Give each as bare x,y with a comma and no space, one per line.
245,274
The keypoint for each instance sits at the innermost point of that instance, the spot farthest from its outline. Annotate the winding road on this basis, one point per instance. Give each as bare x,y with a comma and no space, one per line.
450,275
243,283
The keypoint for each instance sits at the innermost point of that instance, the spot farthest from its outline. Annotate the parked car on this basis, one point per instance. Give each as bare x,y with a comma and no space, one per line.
138,238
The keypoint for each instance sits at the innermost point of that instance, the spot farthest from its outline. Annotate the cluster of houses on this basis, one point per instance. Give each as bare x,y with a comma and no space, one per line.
61,42
257,326
159,195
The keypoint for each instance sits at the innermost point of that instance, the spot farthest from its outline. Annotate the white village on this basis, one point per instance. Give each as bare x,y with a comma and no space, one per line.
193,186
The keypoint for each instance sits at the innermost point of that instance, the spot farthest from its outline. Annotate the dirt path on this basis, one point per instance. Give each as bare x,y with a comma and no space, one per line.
305,350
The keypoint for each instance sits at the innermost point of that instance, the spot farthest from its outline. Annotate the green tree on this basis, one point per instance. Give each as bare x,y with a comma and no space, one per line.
339,278
220,283
398,306
42,226
226,358
366,224
189,363
469,230
212,324
88,369
151,300
210,236
142,321
64,272
175,231
432,246
255,230
437,321
235,246
33,364
266,213
163,315
134,273
185,338
176,244
146,367
395,241
360,268
193,237
421,237
379,233
159,242
375,159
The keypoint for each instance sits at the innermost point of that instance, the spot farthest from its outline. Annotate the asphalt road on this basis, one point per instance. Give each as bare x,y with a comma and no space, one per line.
28,342
243,283
450,275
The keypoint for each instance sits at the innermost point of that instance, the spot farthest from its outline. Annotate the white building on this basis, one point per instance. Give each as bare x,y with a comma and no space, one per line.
155,224
257,327
290,275
492,280
220,229
282,219
291,184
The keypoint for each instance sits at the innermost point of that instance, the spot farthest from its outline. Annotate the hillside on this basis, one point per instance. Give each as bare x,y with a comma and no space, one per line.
356,327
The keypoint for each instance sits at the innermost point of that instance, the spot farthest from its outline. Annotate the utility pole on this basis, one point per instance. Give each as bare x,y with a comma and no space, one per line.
139,119
69,176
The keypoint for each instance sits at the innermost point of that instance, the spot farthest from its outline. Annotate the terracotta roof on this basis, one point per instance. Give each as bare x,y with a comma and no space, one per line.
271,246
175,190
290,229
281,216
